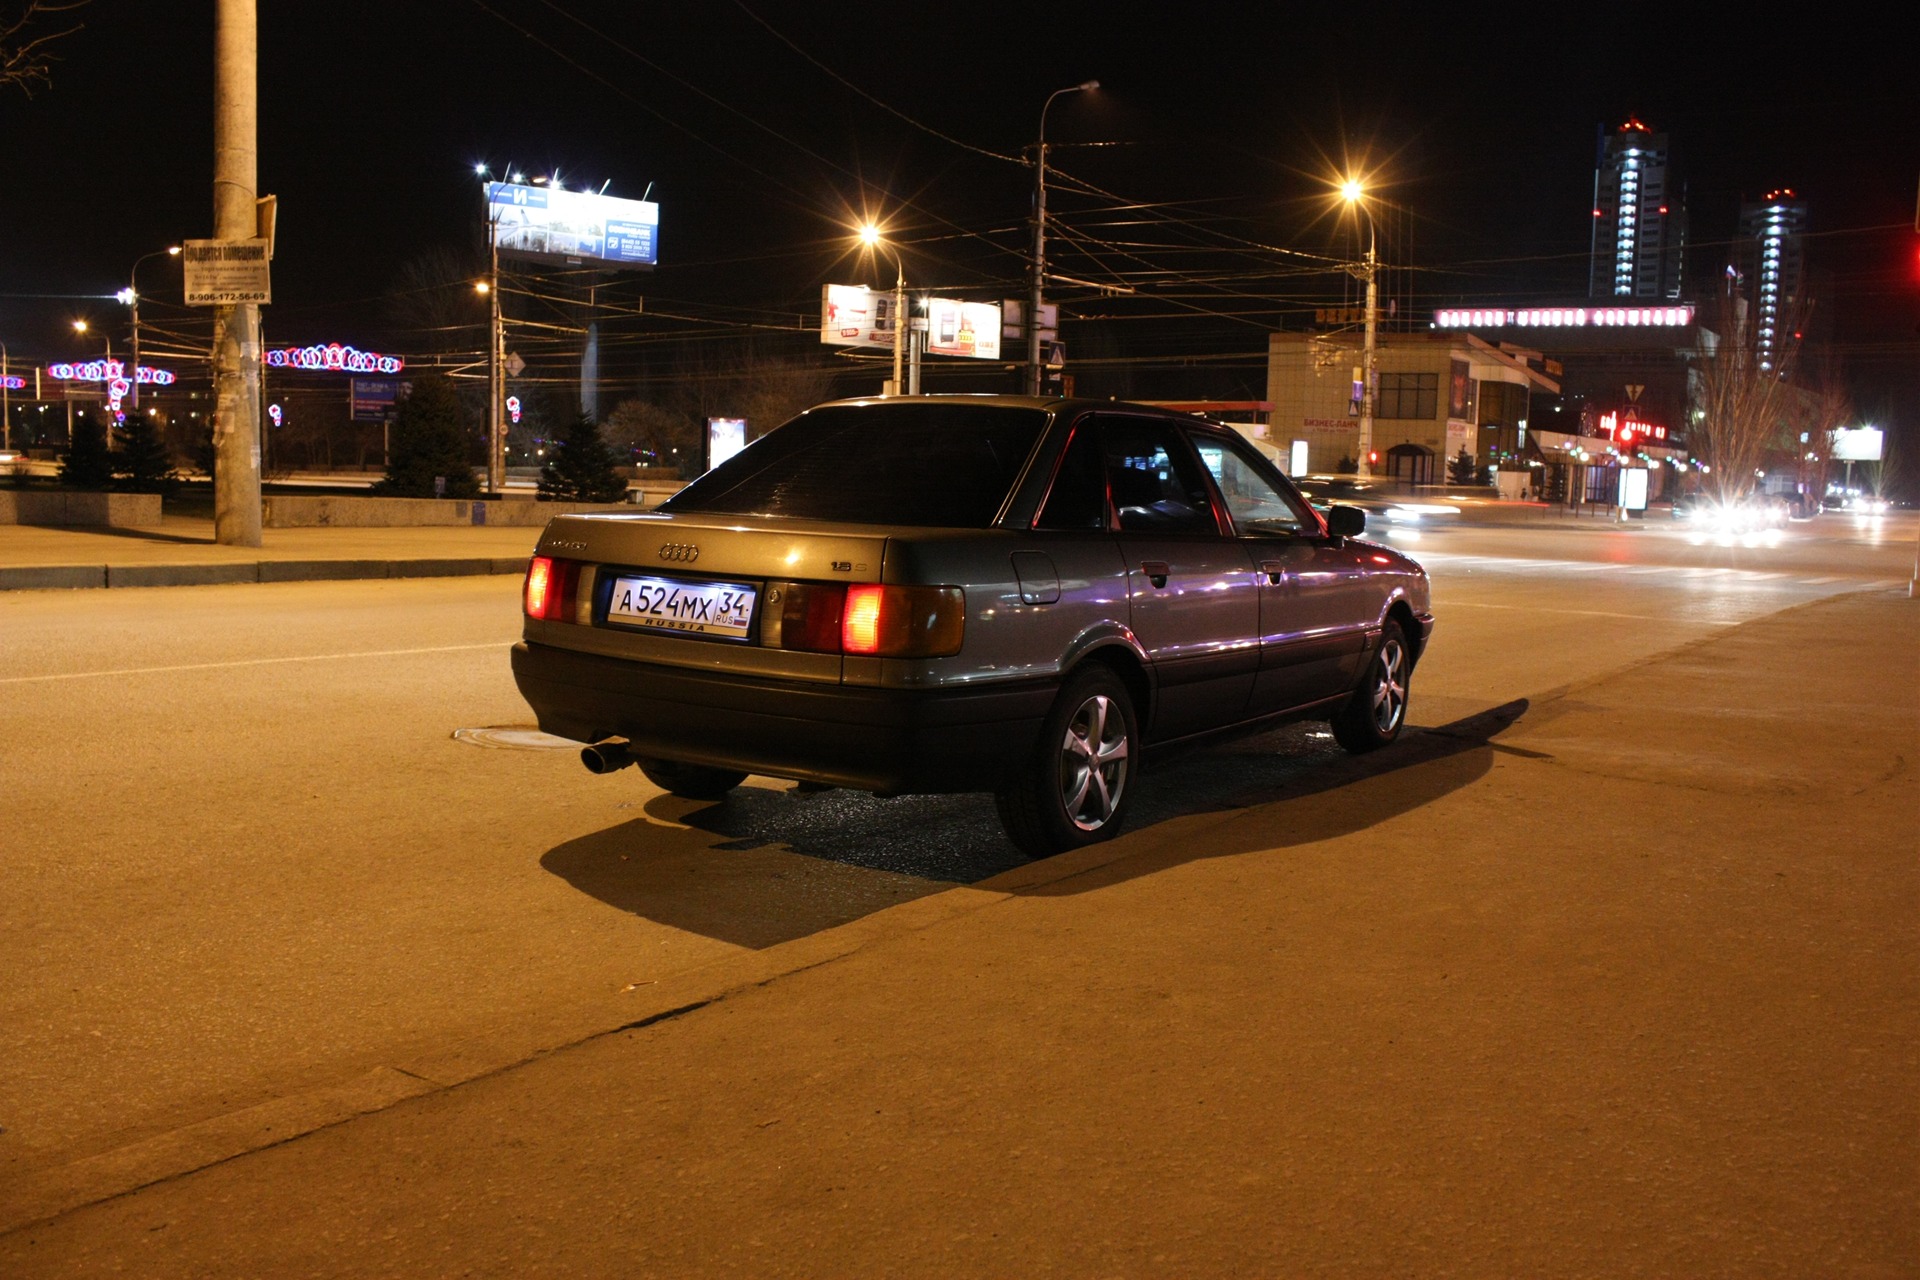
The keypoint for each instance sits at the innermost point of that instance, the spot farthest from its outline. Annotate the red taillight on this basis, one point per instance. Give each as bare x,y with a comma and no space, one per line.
539,586
903,622
860,626
550,588
871,620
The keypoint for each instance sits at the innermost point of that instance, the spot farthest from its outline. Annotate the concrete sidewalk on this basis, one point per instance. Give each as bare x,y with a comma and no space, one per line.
182,552
1621,979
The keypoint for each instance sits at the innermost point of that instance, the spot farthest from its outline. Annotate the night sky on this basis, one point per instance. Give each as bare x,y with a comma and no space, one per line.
1197,174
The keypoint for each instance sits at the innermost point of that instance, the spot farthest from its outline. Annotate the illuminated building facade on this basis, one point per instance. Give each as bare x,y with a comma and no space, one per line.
1639,217
1773,263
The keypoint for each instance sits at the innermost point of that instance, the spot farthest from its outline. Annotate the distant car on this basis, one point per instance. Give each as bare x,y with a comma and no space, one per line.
957,593
1376,497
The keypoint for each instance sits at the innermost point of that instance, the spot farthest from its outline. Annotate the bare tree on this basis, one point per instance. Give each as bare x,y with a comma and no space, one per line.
651,435
1744,402
748,382
433,302
1826,410
26,61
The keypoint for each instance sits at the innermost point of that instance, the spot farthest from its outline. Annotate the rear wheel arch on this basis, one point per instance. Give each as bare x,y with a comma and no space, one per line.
1130,670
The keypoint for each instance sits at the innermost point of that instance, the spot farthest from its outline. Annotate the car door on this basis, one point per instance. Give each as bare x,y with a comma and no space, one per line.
1315,610
1193,603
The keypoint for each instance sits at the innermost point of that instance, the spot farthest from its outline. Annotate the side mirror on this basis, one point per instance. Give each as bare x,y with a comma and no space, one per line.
1346,522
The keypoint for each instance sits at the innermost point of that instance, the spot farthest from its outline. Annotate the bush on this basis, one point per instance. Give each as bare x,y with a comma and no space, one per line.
86,464
581,468
431,439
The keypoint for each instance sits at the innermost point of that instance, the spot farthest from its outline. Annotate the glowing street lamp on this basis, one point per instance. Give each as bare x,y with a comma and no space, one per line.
871,237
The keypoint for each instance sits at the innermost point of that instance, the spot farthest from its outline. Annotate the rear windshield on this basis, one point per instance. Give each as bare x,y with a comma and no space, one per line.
930,465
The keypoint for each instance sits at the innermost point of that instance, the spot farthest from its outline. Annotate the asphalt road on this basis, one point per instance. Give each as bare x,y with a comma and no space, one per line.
250,854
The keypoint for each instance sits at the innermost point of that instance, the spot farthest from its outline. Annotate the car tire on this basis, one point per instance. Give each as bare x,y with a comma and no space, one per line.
1375,713
691,781
1074,790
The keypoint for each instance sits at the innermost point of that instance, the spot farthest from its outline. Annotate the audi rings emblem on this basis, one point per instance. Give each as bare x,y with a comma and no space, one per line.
684,552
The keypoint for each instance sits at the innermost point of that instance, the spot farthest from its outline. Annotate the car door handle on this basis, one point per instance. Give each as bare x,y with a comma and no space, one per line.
1275,570
1156,571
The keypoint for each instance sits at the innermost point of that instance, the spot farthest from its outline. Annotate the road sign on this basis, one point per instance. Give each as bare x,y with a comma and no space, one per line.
515,365
222,273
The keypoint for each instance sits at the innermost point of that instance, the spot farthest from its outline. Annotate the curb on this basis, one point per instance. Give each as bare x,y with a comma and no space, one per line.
68,577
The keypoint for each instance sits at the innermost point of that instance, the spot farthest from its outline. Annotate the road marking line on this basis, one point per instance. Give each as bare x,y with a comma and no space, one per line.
1585,613
250,662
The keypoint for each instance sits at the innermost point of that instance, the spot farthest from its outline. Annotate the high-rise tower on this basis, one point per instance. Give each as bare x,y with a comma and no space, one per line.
1639,217
1773,260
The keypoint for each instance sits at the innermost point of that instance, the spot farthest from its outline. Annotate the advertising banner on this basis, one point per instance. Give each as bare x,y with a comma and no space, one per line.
963,329
574,228
852,315
1859,444
221,273
373,399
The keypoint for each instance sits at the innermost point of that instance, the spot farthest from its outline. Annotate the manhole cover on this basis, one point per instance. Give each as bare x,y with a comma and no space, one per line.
514,738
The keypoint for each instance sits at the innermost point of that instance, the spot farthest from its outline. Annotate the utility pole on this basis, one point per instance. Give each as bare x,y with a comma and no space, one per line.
1354,193
236,328
496,372
1367,356
1035,369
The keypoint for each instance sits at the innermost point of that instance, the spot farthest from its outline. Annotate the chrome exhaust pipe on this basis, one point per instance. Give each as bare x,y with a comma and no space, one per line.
608,756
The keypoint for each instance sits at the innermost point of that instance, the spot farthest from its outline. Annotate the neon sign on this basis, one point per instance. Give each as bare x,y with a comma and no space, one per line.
12,383
1566,318
333,358
273,411
513,407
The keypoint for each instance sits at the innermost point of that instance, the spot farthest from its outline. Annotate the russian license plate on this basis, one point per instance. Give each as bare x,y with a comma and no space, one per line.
691,608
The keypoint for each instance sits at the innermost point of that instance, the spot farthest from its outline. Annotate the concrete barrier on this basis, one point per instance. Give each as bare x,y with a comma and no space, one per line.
72,507
303,511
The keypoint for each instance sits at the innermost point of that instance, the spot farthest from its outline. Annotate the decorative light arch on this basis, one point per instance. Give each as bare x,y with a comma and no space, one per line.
333,357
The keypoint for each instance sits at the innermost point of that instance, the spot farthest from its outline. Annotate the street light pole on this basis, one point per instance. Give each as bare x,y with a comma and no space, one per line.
871,237
1369,271
133,302
1037,298
496,380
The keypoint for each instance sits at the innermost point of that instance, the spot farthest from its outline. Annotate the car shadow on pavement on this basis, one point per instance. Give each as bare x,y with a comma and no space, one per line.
788,863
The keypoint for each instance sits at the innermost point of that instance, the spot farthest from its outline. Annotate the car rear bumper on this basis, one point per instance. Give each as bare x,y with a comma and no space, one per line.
888,741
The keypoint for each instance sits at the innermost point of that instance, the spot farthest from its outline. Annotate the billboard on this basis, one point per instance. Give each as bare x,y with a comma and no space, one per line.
574,228
1860,444
852,315
374,399
963,329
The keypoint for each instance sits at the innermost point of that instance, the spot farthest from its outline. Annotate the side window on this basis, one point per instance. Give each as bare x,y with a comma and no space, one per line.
1156,486
1259,506
1078,499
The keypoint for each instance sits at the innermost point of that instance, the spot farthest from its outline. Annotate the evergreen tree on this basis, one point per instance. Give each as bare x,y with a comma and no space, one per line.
581,468
143,464
1462,470
429,439
86,464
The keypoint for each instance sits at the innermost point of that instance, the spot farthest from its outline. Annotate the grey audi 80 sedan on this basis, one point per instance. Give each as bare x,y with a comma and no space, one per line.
967,593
